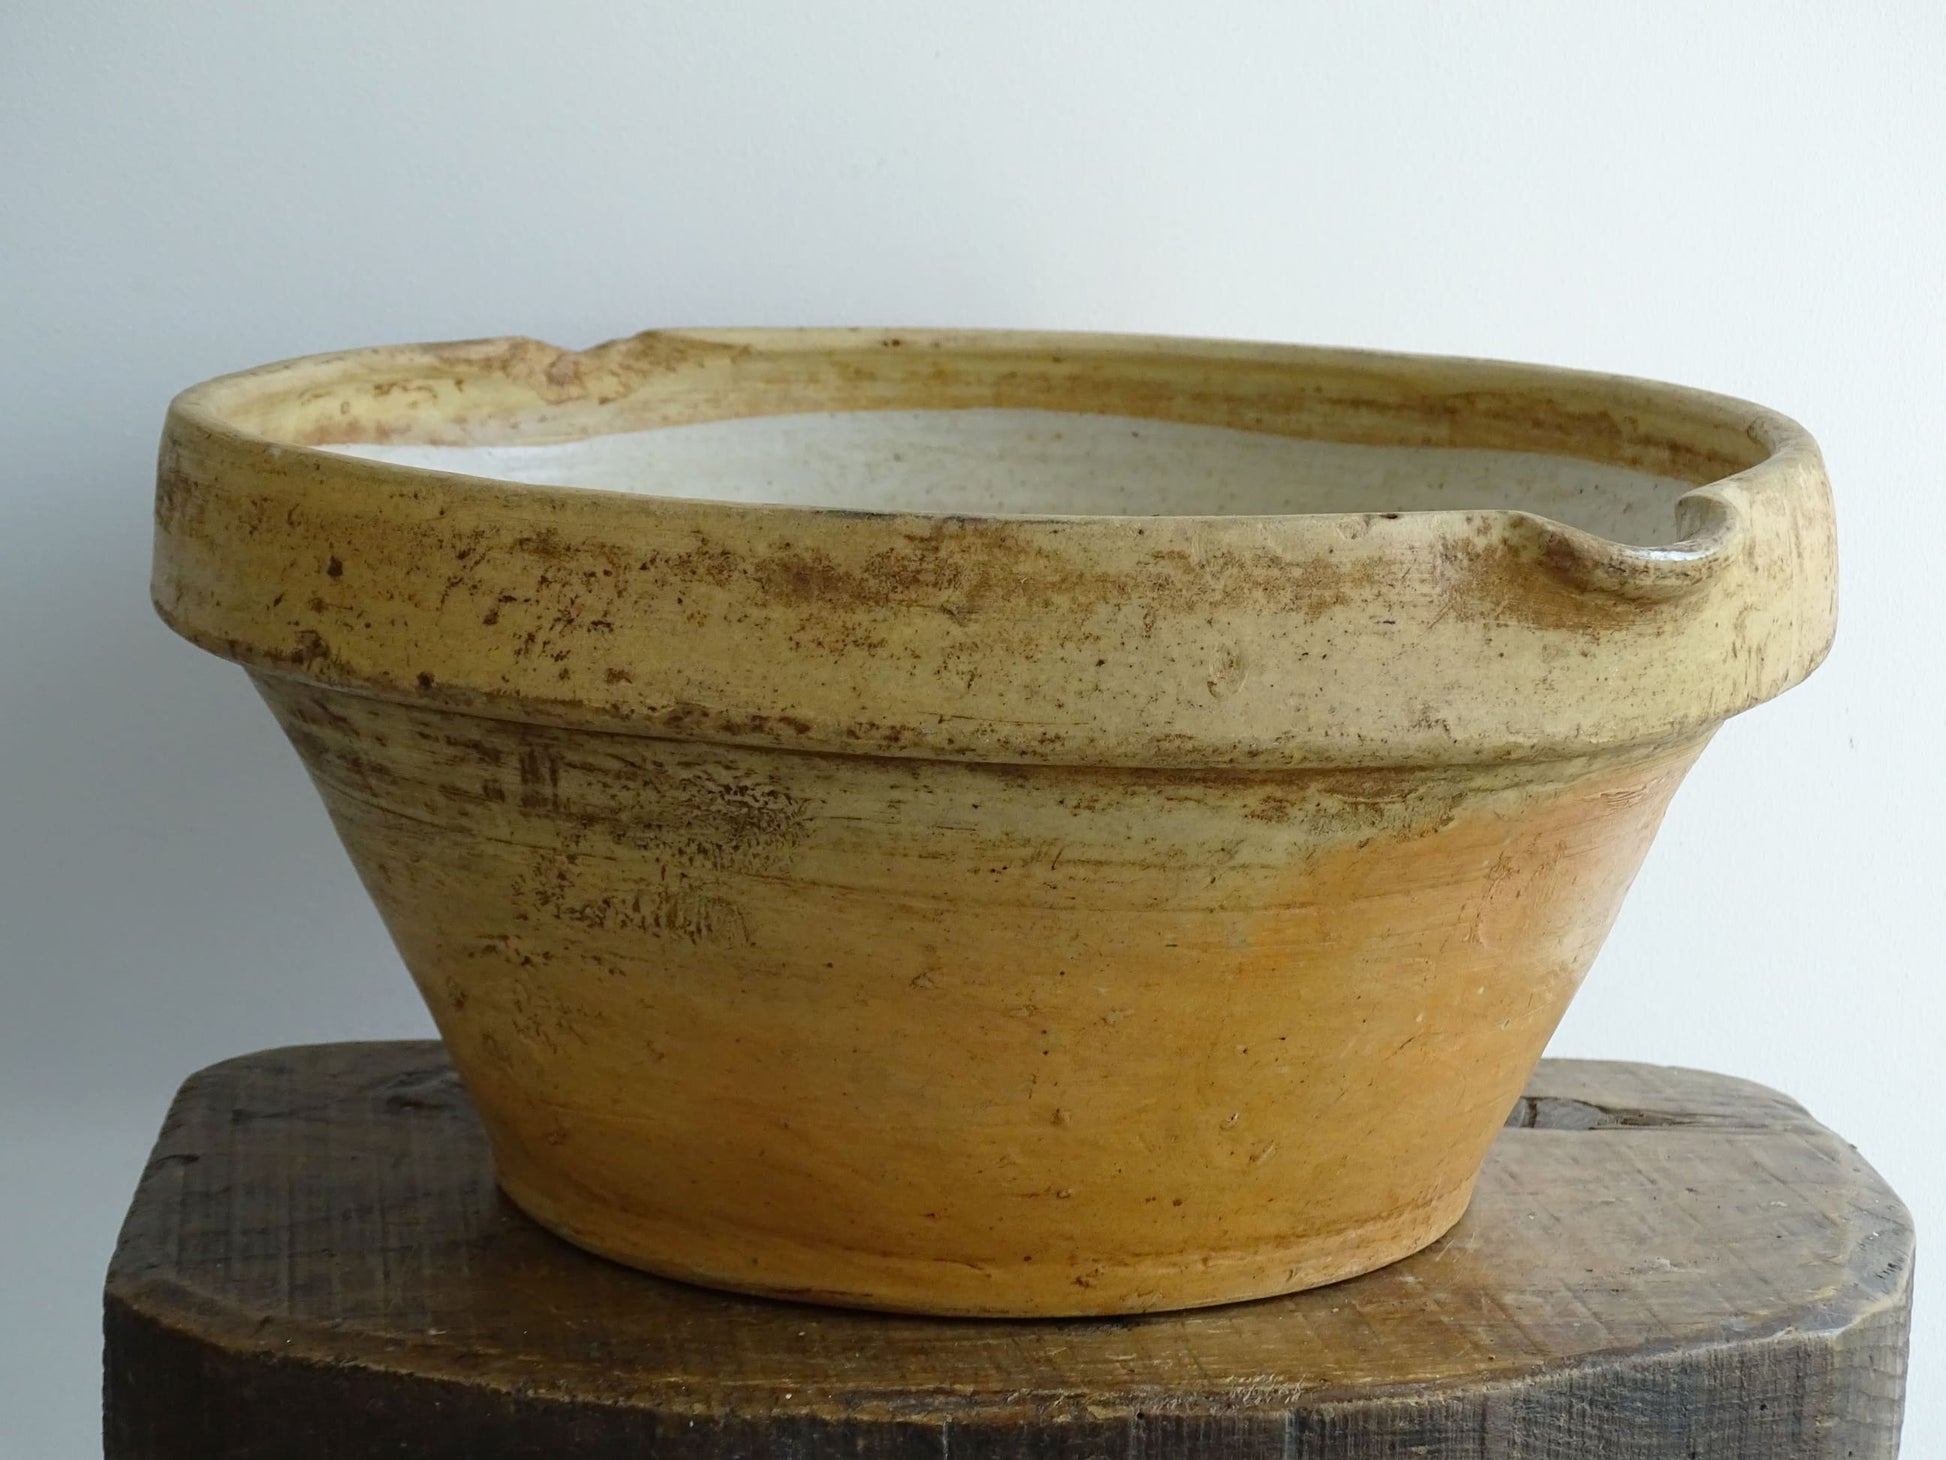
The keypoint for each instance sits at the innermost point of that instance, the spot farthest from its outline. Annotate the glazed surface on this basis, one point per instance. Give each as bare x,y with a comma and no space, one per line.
1059,463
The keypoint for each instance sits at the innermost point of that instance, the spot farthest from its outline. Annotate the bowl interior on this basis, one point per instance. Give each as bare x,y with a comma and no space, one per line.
998,424
1031,462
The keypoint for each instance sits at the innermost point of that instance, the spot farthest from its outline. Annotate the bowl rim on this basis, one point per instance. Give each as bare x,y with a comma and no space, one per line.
1741,526
214,402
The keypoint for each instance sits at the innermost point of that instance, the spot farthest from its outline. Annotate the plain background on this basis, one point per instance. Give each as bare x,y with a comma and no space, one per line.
1749,197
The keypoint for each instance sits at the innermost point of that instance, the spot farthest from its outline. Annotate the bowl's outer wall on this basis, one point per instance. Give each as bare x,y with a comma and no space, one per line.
1347,639
974,1038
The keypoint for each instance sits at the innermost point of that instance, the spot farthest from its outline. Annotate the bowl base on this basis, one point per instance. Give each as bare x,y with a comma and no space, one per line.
766,1265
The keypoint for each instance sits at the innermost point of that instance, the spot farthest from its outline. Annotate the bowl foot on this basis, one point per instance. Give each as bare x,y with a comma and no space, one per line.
1040,1285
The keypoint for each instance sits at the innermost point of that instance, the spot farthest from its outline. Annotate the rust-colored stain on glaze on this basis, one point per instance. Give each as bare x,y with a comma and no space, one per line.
1006,915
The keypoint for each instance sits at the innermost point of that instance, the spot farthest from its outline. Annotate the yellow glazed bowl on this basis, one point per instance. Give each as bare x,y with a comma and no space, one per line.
991,823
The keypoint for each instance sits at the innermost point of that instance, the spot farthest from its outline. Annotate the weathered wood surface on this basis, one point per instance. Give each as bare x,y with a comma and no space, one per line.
1658,1263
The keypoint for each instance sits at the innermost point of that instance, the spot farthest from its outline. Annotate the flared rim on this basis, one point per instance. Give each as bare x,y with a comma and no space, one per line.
250,504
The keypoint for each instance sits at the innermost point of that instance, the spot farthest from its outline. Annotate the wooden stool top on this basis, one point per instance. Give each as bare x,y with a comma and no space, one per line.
1658,1263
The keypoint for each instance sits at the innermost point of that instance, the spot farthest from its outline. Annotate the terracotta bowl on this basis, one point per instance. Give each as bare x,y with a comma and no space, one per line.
991,823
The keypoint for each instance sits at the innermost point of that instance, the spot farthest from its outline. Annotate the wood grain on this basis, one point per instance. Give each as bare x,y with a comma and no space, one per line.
1657,1263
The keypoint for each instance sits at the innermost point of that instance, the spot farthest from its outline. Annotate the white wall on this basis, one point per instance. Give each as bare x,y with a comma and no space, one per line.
1745,196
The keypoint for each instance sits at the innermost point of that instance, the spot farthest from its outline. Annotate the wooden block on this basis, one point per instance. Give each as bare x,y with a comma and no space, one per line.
1659,1265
